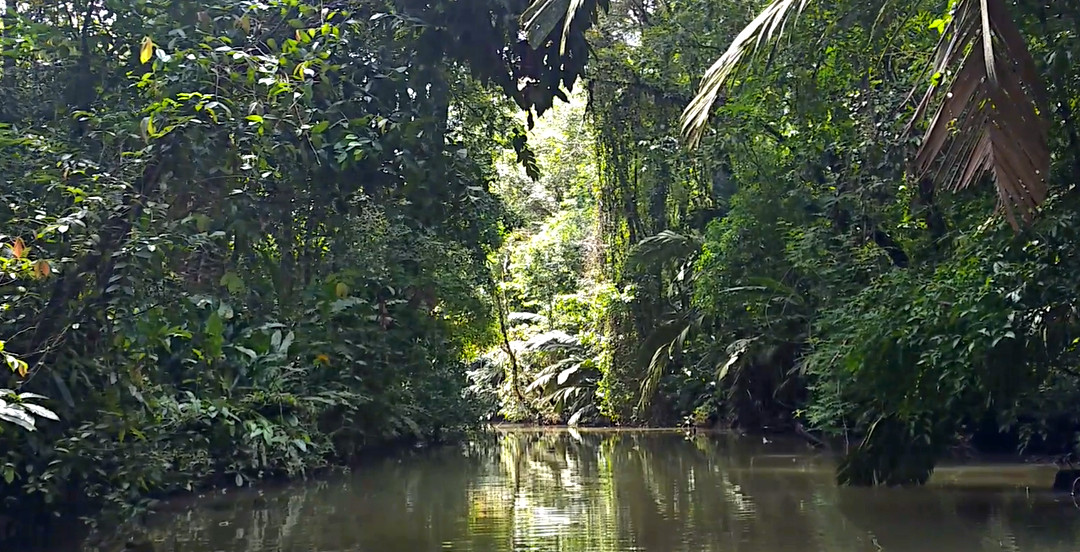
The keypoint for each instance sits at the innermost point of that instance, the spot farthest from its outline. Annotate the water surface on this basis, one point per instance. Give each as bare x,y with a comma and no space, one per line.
618,491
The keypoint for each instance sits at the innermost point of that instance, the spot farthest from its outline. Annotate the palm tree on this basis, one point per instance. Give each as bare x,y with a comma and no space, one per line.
989,97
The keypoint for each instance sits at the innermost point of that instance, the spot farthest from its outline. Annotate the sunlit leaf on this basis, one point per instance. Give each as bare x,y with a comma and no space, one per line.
147,50
251,354
576,417
565,374
41,411
16,415
528,317
551,341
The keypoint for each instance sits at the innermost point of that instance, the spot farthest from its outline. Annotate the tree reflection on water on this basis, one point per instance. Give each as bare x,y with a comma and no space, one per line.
616,491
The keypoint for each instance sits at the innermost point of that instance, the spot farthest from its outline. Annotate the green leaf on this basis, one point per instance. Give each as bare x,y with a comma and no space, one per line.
565,374
16,415
252,354
283,348
215,328
41,411
573,421
232,282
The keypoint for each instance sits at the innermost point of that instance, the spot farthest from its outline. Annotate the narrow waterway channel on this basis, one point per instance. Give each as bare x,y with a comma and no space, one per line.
620,491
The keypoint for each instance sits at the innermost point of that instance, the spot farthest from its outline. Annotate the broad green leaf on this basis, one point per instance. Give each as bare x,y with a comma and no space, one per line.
251,354
41,411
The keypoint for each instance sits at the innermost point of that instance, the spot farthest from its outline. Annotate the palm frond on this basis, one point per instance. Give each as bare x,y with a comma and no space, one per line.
765,28
552,341
736,351
572,12
486,371
527,317
555,371
653,373
540,382
576,417
762,284
565,374
660,346
662,248
989,121
542,18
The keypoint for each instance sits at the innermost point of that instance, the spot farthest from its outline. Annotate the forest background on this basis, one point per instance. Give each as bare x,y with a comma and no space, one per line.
254,239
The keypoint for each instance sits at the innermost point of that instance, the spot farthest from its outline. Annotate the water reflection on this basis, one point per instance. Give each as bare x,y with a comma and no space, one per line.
614,492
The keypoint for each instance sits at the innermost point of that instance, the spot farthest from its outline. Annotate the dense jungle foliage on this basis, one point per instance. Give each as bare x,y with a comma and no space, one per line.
850,228
252,239
242,239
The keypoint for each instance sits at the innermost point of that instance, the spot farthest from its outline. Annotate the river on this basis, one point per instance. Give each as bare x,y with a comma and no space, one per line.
619,491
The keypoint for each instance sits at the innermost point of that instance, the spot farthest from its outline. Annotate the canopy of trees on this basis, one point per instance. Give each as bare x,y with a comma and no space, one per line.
245,240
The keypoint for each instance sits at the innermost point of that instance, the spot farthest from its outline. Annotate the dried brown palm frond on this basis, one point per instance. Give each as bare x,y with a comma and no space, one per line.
766,27
989,120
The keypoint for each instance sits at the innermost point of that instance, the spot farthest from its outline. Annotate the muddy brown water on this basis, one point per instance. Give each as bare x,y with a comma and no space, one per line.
618,491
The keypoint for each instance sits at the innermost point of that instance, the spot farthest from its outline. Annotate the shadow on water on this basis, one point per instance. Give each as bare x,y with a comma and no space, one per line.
615,491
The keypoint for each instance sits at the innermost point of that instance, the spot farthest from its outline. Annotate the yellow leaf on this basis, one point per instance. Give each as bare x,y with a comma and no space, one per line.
322,358
341,290
144,129
18,248
17,365
42,269
147,50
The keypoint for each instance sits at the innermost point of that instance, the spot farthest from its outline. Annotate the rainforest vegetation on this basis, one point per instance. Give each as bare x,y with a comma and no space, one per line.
252,239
